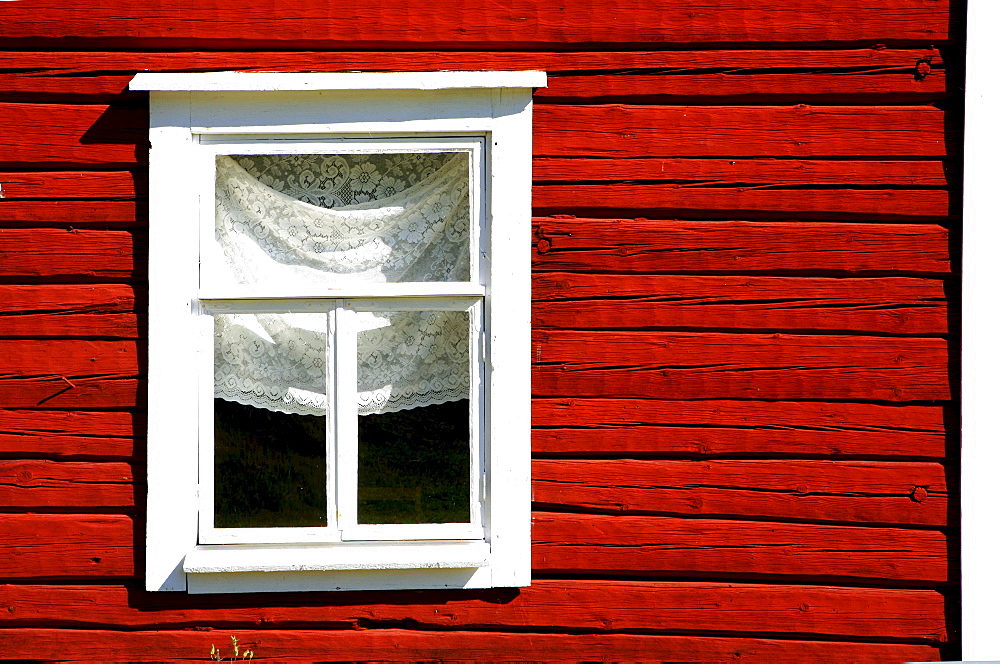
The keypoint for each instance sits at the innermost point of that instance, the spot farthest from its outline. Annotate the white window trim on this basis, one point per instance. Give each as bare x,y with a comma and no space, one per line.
496,105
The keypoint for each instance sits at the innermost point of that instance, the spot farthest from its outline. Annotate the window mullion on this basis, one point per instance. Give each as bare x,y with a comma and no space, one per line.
343,377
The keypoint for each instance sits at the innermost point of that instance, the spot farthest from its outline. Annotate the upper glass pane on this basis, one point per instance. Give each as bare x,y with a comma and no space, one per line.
336,220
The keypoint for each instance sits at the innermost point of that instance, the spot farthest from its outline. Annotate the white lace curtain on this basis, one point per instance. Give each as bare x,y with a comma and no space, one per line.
336,220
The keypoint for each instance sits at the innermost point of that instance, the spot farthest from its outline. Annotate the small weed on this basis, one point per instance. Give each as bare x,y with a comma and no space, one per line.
217,655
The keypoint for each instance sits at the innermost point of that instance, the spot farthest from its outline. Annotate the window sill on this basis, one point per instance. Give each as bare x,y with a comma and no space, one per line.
237,558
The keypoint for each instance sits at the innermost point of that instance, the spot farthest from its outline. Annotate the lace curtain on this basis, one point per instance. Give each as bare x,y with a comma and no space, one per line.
332,221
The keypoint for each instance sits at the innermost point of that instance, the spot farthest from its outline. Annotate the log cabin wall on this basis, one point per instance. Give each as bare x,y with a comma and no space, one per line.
745,443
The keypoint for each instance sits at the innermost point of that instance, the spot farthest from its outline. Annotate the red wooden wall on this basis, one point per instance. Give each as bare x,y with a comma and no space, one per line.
745,277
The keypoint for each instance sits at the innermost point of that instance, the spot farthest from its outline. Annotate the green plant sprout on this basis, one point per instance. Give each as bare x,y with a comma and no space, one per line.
216,653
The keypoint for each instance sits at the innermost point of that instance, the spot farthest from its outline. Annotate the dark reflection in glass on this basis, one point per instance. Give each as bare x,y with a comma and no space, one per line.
413,465
270,468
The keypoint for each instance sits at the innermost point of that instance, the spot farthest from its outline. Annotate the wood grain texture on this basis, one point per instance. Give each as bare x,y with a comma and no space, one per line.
746,202
916,615
617,130
726,366
74,433
395,644
875,492
891,305
640,245
855,76
42,134
58,391
748,172
310,23
577,426
86,214
625,544
66,485
70,184
61,546
90,311
50,252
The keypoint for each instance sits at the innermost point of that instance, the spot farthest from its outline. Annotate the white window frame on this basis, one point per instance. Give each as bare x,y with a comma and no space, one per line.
189,111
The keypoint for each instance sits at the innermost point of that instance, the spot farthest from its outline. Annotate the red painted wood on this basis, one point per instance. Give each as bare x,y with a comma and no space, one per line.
646,80
223,24
738,83
876,492
100,214
650,544
40,134
639,245
69,184
91,326
69,373
896,305
45,252
52,391
69,311
66,484
393,644
61,546
725,366
53,433
748,202
578,426
34,134
916,615
750,172
617,130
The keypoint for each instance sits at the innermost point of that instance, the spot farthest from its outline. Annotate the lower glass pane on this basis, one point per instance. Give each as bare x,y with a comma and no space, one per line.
414,422
270,423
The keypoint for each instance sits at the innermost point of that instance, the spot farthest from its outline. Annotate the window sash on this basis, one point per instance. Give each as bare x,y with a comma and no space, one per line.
341,424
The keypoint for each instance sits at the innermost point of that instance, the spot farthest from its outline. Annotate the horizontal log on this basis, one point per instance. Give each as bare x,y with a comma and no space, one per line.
222,24
662,545
742,428
58,391
54,433
66,484
61,546
41,134
749,172
51,67
53,252
84,310
876,492
738,84
916,615
622,245
392,644
70,184
70,357
731,366
617,130
745,202
101,214
894,305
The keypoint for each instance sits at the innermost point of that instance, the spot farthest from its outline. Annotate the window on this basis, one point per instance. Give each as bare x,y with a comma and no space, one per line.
339,331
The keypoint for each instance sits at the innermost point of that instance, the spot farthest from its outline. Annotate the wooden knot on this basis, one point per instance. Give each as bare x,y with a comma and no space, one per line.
543,246
919,494
922,70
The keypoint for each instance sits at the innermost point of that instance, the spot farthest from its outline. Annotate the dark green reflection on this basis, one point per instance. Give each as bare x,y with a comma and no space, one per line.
270,468
413,465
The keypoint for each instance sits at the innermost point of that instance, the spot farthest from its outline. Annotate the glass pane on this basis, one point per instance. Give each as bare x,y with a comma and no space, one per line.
270,421
414,421
322,220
